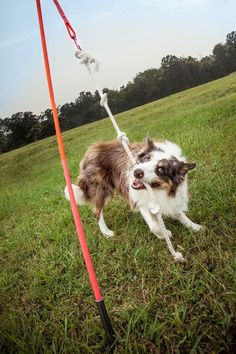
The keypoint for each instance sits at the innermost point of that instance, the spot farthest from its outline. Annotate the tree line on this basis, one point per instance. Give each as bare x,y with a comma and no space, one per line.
174,75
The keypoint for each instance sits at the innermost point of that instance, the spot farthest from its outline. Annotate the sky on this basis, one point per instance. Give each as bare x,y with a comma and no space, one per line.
126,36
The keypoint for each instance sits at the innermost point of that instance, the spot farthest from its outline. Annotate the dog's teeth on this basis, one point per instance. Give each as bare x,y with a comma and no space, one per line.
137,183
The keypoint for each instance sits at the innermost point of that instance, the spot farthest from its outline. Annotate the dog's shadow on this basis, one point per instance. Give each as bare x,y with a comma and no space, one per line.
128,224
124,221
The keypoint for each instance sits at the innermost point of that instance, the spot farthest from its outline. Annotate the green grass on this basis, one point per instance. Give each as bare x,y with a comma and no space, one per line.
156,305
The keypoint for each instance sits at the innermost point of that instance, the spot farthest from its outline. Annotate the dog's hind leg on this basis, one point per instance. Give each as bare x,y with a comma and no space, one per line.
152,223
184,220
102,197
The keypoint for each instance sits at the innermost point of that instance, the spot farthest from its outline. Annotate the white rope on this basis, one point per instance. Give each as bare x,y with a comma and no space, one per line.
155,209
86,59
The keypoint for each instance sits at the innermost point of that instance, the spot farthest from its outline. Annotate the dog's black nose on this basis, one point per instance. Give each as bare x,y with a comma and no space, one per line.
138,173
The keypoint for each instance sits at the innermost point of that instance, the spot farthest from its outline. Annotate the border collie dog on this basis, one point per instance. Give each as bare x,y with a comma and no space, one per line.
106,168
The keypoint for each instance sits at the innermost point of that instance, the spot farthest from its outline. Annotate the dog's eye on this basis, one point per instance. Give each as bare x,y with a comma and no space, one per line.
146,158
160,171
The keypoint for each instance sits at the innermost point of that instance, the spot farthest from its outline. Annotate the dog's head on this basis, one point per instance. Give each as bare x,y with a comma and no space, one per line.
159,169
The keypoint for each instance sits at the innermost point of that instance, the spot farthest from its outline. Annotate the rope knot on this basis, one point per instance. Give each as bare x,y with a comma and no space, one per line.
104,100
154,208
86,58
122,137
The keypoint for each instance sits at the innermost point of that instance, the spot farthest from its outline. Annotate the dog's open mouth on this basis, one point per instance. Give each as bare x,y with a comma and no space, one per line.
136,184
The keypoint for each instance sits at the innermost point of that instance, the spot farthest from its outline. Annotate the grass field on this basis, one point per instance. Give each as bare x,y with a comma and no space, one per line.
155,304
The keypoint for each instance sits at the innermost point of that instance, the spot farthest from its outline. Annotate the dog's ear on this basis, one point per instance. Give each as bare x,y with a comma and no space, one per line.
149,144
184,167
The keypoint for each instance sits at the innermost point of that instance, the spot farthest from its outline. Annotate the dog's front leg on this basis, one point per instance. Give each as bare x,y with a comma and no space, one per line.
153,223
103,226
184,220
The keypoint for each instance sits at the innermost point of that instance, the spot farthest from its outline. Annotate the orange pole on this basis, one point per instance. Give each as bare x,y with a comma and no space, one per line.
79,228
75,212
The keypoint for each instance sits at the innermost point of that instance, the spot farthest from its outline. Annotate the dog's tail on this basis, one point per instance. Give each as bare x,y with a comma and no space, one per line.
78,194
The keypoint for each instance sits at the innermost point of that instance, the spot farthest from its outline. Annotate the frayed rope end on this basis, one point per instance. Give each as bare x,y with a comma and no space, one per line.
179,257
86,58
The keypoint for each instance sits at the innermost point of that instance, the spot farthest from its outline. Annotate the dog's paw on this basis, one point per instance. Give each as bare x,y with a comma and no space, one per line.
108,233
197,227
169,233
160,236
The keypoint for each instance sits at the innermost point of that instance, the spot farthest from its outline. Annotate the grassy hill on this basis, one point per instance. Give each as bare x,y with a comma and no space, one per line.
156,305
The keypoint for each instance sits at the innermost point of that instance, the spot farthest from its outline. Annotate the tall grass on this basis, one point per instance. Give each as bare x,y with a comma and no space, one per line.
156,305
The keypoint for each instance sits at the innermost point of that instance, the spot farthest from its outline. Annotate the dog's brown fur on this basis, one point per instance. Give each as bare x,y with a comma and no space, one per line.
103,170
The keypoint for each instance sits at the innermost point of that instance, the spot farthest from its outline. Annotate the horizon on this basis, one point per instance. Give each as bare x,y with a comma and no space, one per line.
171,24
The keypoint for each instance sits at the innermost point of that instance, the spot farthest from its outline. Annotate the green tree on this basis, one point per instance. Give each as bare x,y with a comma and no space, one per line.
21,129
3,136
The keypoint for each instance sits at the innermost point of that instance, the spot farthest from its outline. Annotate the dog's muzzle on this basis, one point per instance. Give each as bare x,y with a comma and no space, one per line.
138,174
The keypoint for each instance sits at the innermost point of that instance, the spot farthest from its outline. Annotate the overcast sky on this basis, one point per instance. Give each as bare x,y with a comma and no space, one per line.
127,36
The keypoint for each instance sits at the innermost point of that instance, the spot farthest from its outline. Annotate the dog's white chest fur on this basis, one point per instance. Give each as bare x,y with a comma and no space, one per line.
169,205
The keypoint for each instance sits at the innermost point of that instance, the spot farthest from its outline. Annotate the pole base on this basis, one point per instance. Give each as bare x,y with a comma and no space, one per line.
106,321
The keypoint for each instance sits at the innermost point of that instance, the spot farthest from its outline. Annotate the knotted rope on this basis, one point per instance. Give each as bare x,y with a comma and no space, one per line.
86,59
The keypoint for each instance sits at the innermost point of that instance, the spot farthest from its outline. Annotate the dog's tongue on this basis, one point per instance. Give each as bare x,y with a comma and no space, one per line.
137,184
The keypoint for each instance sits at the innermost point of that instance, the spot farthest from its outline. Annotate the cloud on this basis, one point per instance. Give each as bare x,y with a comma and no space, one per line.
170,3
15,39
101,16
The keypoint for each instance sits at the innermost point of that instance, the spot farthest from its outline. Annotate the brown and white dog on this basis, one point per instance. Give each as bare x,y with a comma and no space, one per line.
106,168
